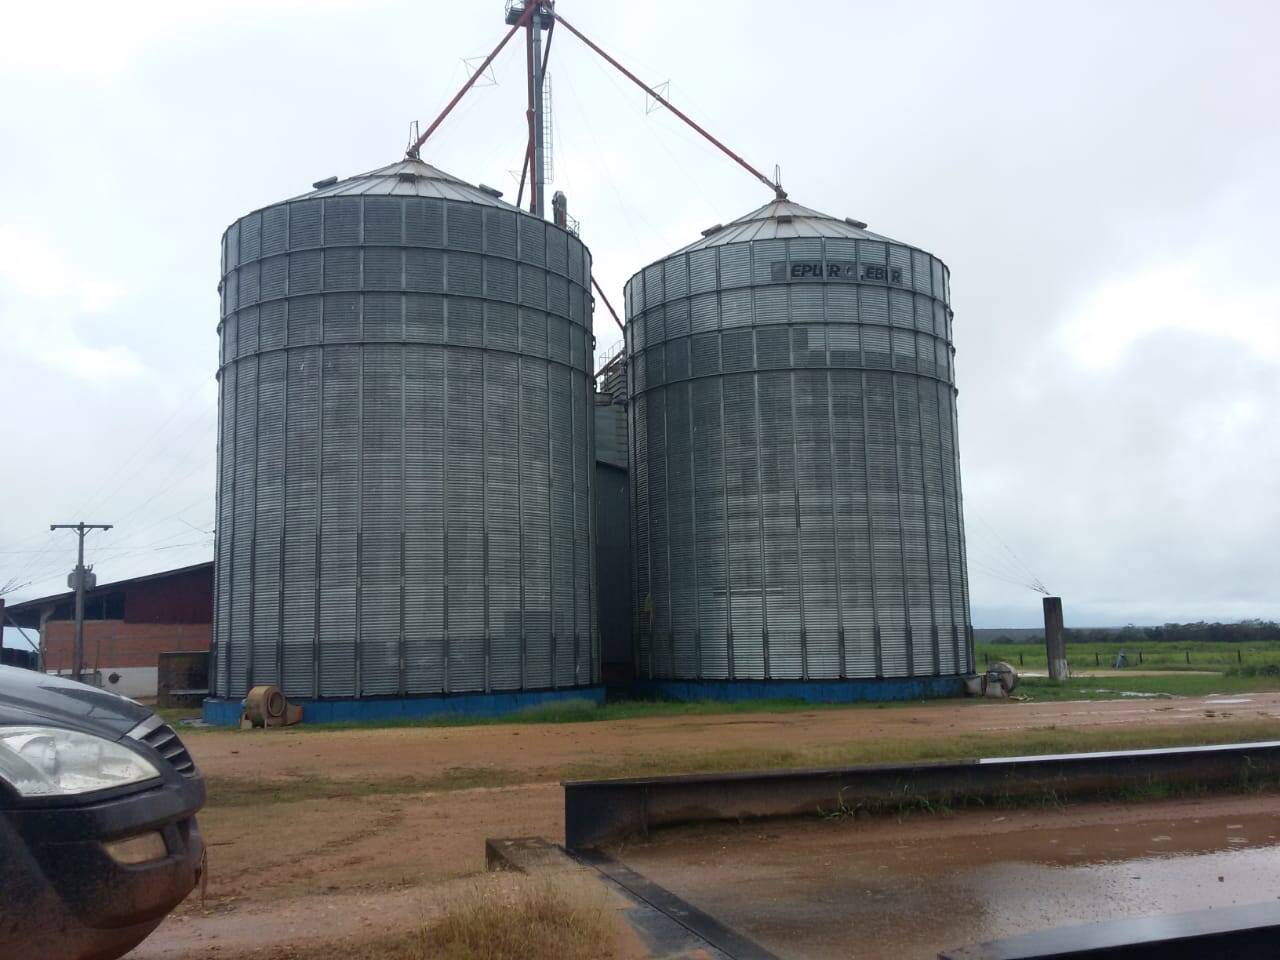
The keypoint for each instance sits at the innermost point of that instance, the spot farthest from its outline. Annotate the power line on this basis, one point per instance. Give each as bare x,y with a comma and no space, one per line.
96,497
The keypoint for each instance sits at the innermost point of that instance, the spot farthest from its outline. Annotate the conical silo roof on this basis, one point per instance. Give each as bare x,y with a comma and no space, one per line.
407,178
782,220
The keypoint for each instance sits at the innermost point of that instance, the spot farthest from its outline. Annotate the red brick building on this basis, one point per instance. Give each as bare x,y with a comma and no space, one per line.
127,625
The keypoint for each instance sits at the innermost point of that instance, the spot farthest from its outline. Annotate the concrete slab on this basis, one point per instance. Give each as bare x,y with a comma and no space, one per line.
667,928
603,811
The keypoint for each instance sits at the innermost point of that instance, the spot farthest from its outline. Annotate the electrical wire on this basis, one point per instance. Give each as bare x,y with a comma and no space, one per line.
96,497
1036,583
656,128
623,207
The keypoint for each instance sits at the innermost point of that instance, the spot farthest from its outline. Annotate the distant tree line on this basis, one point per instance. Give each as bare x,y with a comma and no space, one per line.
1246,631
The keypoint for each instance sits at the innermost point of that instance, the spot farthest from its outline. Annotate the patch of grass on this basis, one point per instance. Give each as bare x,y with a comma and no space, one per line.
250,791
1255,670
532,919
520,918
908,801
175,715
236,791
588,711
1170,684
1154,655
967,746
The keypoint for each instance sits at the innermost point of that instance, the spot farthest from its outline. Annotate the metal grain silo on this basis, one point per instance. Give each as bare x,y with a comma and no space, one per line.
795,481
405,471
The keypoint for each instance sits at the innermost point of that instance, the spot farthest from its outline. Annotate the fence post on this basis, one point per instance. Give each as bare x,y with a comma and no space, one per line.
1139,656
1188,658
1097,661
1020,661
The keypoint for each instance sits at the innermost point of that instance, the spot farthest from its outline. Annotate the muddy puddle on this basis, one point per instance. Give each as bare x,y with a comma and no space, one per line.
828,889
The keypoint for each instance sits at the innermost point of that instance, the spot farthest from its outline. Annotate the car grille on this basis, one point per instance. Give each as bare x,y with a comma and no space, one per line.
157,734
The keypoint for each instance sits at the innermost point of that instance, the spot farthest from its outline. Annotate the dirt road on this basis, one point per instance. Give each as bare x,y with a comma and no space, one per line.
538,752
372,826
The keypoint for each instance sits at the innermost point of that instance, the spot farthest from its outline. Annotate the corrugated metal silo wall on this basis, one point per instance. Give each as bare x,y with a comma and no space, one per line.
613,546
405,471
796,493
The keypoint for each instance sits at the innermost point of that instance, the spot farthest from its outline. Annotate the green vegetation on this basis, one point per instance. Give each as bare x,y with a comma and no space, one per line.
526,919
249,791
1148,655
516,918
176,715
588,711
1172,684
1238,634
1250,679
909,801
1255,670
238,791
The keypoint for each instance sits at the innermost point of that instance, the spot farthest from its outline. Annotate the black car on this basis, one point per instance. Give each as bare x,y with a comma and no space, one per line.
98,836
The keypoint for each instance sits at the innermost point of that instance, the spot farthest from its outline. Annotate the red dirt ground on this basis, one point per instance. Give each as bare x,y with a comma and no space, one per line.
366,850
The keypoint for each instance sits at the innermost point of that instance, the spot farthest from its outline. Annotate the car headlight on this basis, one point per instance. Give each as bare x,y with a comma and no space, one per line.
52,762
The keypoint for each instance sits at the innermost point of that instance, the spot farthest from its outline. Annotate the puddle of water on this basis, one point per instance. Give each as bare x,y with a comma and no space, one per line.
822,890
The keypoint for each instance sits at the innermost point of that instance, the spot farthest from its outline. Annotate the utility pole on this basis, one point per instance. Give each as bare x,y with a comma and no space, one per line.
1054,640
79,576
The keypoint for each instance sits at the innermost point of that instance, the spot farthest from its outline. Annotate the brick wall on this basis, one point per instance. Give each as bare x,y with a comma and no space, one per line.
115,643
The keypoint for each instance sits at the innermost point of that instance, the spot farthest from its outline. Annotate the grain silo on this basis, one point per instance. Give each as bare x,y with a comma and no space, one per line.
795,482
404,517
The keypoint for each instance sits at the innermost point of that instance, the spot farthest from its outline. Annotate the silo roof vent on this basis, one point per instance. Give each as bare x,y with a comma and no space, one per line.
491,191
713,230
326,182
406,176
856,224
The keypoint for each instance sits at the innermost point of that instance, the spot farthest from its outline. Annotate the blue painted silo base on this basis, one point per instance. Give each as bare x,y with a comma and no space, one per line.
813,691
226,712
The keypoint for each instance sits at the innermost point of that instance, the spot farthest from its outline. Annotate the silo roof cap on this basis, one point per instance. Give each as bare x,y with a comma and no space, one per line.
407,178
781,220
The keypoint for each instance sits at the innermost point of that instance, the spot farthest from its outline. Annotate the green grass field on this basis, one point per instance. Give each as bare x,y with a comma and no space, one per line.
1172,684
1154,656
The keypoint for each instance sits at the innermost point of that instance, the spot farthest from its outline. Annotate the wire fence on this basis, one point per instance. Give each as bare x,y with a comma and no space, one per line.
1249,659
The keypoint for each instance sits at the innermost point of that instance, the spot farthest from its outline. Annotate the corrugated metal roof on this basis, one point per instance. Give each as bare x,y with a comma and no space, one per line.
407,178
781,220
27,612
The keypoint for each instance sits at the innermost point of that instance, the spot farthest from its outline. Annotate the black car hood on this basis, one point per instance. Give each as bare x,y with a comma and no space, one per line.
30,697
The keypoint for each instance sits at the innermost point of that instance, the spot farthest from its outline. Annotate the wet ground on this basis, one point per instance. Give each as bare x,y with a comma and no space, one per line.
867,889
335,833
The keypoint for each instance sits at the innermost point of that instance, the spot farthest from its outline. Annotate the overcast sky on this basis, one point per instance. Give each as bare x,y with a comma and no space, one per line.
1101,178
